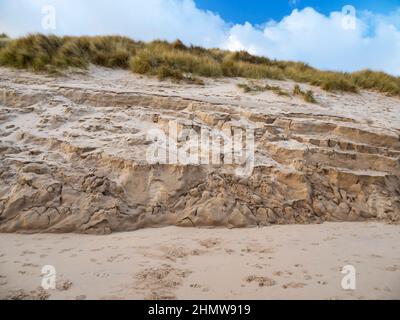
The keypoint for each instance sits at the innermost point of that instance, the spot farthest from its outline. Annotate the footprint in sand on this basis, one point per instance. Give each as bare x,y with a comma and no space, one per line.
210,243
30,265
3,280
101,274
393,268
294,285
63,285
261,281
39,294
258,250
175,253
27,252
282,273
161,281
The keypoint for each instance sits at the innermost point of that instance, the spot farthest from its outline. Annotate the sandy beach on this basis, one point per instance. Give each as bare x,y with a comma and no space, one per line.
277,262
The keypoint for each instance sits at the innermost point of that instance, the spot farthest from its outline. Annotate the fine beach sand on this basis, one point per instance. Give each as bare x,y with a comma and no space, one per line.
277,262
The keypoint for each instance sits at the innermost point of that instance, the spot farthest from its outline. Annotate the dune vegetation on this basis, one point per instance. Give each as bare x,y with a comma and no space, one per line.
252,87
177,61
3,40
308,96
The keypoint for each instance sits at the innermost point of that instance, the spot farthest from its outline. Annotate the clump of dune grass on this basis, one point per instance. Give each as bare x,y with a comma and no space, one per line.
242,64
327,80
4,39
245,87
278,90
177,61
297,90
378,81
159,56
194,80
308,96
177,76
335,83
166,72
253,88
32,52
44,53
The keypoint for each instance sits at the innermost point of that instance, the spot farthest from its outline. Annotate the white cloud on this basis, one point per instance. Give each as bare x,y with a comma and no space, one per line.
323,42
142,20
304,35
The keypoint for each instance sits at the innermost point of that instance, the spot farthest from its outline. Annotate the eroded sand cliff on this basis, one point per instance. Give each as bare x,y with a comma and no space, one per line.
73,155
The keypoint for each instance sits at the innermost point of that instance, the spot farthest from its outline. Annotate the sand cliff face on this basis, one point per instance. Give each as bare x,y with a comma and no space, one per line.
73,155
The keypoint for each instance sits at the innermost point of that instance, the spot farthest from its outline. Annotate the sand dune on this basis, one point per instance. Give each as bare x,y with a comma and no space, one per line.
73,155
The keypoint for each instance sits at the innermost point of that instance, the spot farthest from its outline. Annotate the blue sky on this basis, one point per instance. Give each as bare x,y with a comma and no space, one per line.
311,31
260,11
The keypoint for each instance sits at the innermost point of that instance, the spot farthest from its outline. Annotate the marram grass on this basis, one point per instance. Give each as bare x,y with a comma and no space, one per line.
38,52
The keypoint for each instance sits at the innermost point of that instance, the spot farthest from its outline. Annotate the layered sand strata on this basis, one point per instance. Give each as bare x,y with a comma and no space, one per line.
73,155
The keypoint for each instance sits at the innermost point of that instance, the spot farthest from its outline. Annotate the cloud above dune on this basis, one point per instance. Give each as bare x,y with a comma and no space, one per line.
142,20
323,42
304,35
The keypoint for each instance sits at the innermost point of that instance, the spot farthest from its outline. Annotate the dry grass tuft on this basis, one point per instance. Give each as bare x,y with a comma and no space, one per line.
253,87
308,96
